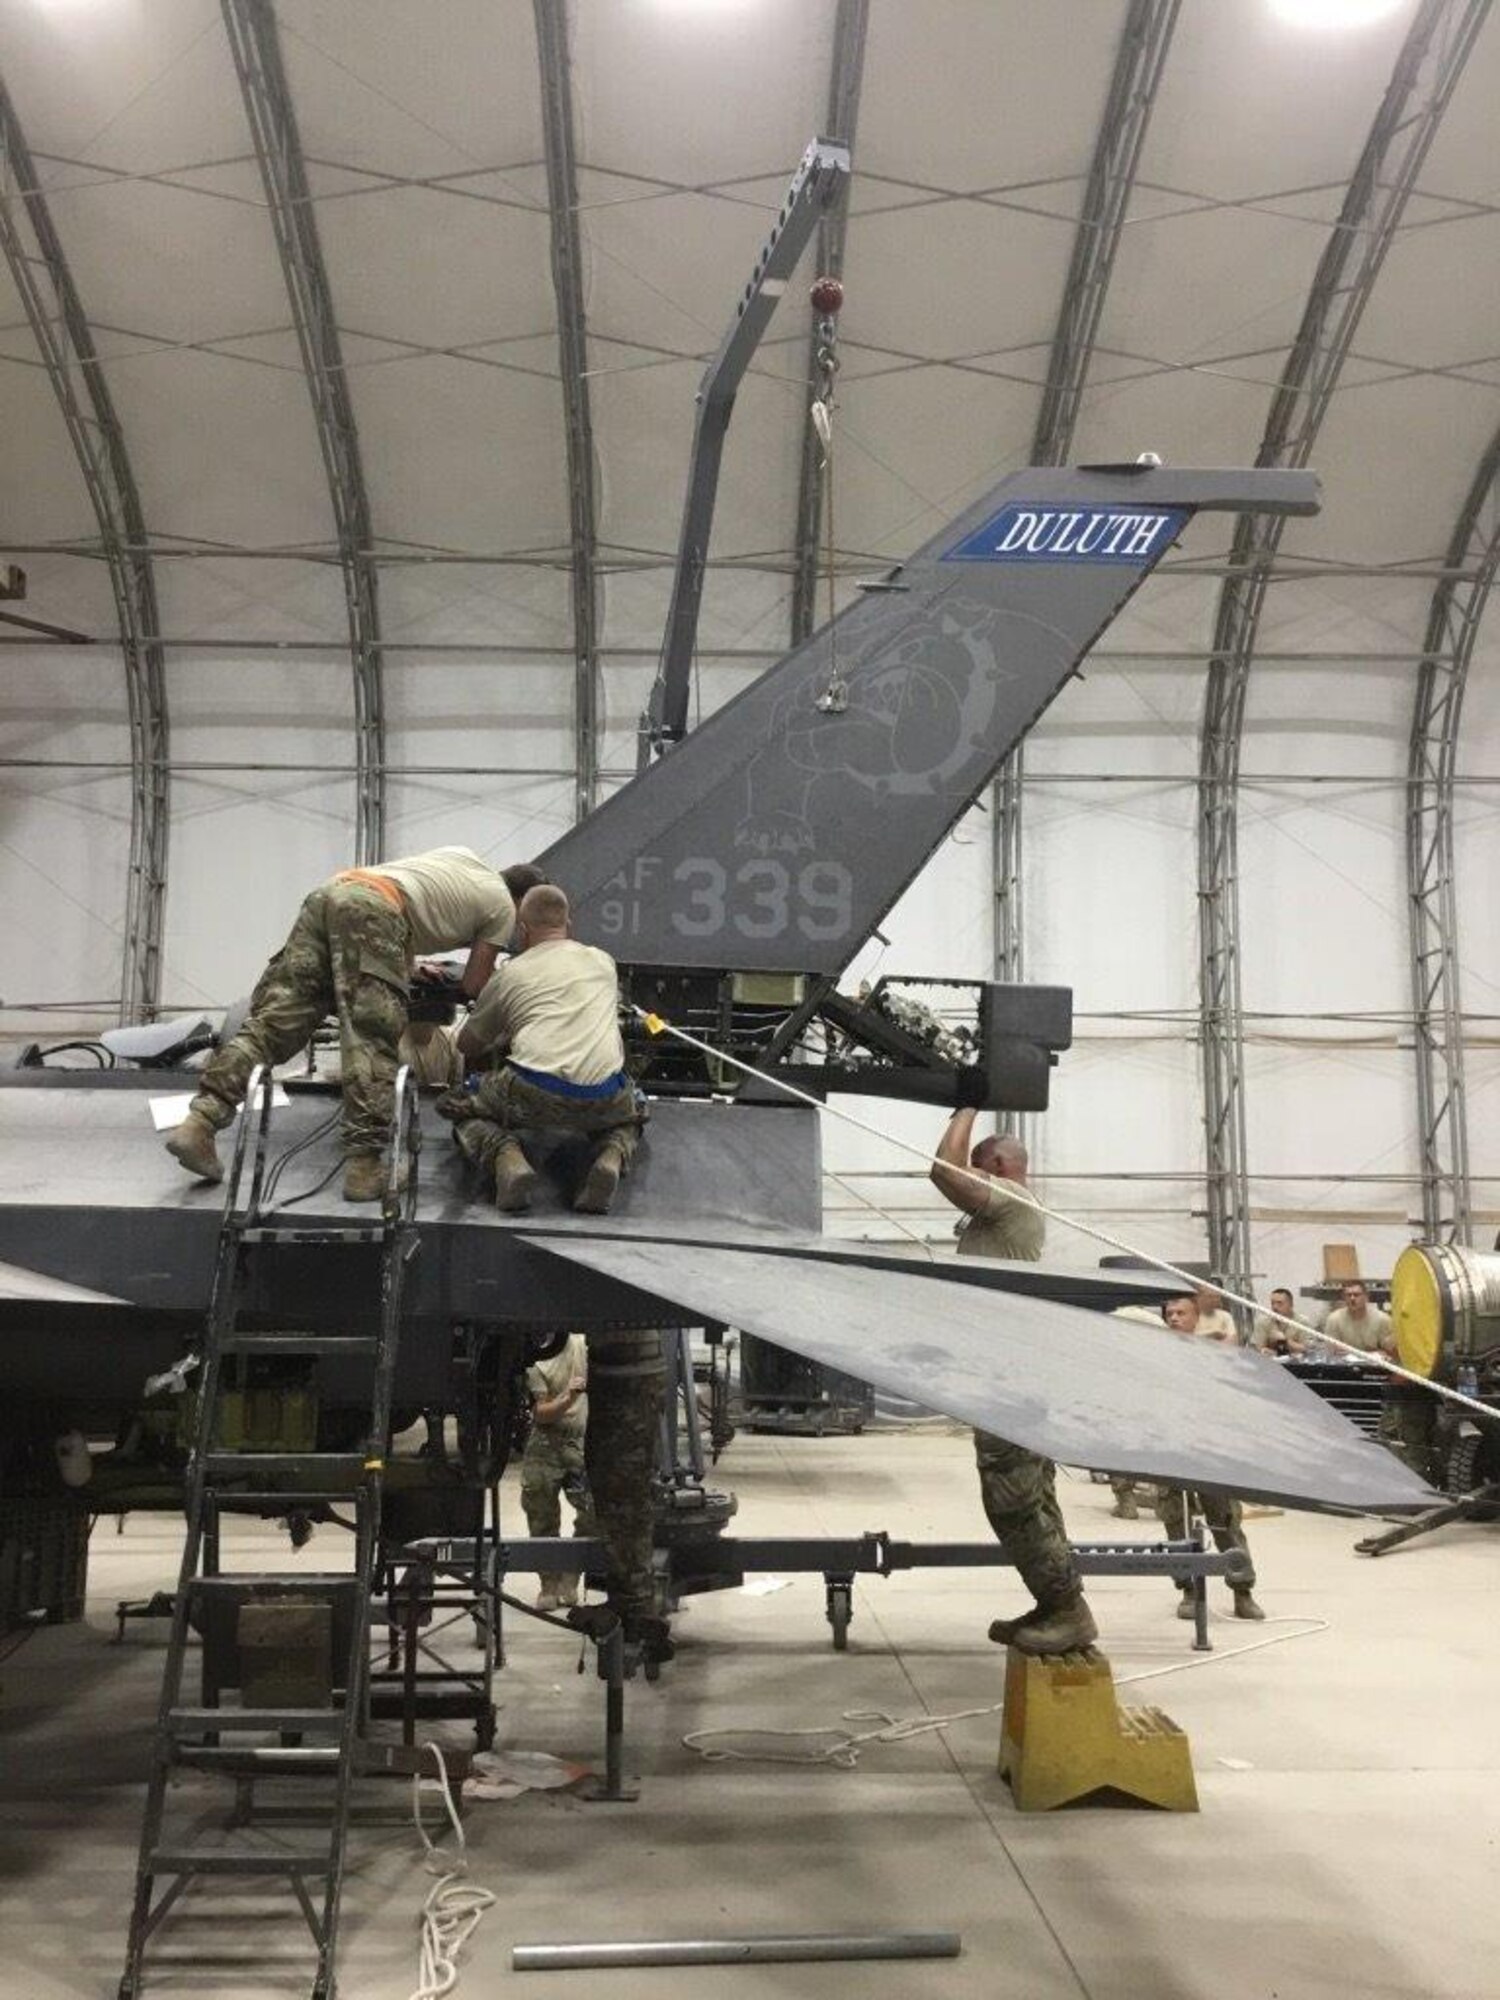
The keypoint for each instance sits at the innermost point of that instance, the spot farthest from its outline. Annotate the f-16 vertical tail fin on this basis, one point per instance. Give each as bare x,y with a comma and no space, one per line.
781,831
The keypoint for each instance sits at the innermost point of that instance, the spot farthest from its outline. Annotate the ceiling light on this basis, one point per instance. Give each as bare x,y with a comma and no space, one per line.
1333,14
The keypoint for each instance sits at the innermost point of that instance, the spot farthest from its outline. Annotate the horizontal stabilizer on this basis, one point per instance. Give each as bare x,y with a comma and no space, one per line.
1081,1387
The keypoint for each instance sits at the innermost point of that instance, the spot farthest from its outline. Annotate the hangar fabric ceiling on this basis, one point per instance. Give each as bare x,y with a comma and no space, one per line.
348,355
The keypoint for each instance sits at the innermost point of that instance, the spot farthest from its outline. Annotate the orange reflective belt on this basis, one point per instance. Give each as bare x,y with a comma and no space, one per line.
381,884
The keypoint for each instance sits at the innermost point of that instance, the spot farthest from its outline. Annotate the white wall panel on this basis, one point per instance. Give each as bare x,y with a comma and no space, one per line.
482,714
502,604
513,822
64,845
1110,893
1323,899
1342,1112
245,850
1484,1133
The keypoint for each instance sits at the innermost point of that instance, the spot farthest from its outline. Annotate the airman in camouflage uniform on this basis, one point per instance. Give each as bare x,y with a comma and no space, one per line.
1222,1513
627,1393
553,1461
347,954
1018,1487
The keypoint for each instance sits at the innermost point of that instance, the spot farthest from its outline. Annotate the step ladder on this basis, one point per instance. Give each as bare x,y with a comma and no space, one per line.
315,1741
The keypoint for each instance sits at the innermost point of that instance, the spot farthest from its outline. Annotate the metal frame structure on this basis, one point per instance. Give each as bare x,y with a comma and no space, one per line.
1453,623
1139,63
846,75
555,64
1426,71
256,47
821,173
66,342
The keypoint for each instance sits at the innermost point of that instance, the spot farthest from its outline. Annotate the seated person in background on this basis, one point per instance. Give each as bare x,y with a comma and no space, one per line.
1274,1332
1359,1323
553,1461
1221,1512
552,1013
1214,1323
349,954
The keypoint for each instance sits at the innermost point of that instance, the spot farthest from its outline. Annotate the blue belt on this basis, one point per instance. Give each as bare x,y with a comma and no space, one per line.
587,1093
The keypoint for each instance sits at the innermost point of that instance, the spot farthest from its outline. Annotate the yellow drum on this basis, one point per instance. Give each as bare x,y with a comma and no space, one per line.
1445,1303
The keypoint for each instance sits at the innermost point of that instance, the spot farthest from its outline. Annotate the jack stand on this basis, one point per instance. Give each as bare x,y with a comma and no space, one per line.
1201,1641
1065,1737
1476,1506
614,1788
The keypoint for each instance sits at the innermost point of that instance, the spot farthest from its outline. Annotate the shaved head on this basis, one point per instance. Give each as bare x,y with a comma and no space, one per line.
1005,1157
544,909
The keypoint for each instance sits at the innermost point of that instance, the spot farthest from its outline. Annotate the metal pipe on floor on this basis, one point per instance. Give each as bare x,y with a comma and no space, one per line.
736,1951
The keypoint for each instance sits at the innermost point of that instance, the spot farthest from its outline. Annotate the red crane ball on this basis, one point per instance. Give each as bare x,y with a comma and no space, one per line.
827,296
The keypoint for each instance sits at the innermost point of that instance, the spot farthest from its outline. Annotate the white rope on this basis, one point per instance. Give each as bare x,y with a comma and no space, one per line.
658,1026
452,1909
843,1751
886,1215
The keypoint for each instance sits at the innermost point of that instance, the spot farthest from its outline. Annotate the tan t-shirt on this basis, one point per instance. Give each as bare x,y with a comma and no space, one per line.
1370,1333
555,1007
1217,1325
546,1379
452,898
1004,1227
1271,1328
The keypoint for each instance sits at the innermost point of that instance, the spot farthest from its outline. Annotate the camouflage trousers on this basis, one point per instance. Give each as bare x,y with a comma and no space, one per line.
346,955
1019,1491
503,1104
553,1465
1222,1515
627,1392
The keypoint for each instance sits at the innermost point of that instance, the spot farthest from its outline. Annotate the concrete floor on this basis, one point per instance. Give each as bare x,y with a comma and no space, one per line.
1347,1843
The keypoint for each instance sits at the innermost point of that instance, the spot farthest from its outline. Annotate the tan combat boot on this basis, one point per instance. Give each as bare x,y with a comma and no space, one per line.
515,1180
1245,1605
547,1596
193,1145
567,1590
1067,1628
603,1177
1003,1630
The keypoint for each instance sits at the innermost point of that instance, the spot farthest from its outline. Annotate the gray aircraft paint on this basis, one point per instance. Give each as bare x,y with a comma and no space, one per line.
1076,1386
778,835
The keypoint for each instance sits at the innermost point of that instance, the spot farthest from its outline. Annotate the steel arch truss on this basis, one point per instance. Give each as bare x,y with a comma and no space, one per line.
256,47
572,340
55,312
846,74
1458,607
1139,63
1426,72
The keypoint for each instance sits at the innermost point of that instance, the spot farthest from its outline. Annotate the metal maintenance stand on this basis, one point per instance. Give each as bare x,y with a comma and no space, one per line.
376,1257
